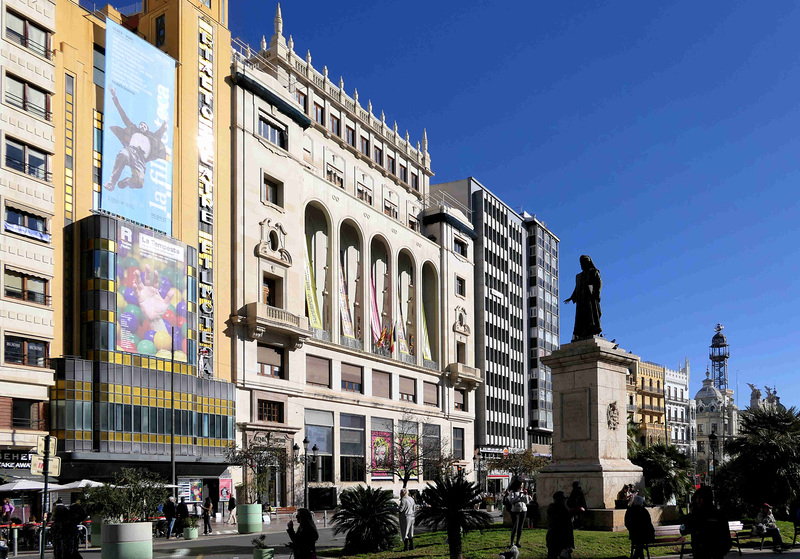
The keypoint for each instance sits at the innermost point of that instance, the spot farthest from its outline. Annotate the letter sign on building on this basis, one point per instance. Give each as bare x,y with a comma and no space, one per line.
205,184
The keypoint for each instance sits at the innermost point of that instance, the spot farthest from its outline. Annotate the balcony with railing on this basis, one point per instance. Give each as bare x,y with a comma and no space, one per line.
36,170
261,318
464,376
27,295
28,106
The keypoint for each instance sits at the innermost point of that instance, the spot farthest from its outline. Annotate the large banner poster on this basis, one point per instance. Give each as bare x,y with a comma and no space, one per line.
137,130
381,454
151,301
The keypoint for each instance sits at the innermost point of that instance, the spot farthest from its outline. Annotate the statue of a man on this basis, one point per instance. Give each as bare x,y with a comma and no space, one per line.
586,297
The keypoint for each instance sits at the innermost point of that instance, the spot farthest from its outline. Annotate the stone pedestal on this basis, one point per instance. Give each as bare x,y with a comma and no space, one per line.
590,442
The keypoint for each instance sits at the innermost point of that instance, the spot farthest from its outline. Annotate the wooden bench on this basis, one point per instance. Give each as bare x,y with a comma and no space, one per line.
276,512
741,531
666,536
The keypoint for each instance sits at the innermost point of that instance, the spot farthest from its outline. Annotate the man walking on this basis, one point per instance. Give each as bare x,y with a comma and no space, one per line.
169,514
407,510
232,510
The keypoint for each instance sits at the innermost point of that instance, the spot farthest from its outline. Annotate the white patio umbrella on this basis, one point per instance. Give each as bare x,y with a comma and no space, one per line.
28,485
81,484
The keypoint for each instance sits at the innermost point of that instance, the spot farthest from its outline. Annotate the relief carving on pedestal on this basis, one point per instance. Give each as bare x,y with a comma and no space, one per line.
612,416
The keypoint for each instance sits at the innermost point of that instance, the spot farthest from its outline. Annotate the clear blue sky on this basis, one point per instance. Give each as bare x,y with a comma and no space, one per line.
661,138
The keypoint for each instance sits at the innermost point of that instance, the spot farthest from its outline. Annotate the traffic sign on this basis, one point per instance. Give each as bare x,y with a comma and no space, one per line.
40,445
37,465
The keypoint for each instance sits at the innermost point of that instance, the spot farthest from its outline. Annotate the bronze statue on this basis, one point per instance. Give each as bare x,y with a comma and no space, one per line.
586,297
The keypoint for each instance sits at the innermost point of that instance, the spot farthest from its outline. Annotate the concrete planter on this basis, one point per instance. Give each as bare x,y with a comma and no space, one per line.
489,508
249,520
263,553
127,541
190,533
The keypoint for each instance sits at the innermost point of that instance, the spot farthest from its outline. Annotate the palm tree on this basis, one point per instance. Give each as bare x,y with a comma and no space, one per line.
666,471
451,505
368,517
764,462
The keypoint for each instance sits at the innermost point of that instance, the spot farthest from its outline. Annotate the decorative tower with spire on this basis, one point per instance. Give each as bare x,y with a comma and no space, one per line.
278,42
718,354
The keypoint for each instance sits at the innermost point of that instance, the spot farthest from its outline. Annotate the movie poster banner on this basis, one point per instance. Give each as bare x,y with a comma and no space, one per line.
152,293
225,489
138,116
381,452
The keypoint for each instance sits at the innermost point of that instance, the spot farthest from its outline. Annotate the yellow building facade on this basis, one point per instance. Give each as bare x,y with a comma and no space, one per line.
647,388
128,372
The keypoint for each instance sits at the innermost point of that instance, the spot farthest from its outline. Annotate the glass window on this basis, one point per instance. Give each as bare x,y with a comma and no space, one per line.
272,132
336,125
460,400
351,136
365,146
381,384
25,351
319,431
352,378
270,411
458,443
28,35
26,159
27,224
430,394
318,371
25,287
27,97
270,361
99,63
319,114
352,447
272,191
408,389
461,286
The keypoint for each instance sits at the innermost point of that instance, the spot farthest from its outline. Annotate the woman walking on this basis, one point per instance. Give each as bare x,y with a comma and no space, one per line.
304,539
207,507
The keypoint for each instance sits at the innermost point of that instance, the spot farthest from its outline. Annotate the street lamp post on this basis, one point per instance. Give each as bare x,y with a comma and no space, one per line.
712,441
314,449
296,449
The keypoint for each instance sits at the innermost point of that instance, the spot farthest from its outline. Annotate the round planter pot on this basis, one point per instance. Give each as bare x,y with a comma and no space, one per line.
489,508
190,533
249,521
263,553
127,541
95,531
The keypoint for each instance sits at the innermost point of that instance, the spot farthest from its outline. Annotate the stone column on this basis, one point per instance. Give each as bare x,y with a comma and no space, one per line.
589,416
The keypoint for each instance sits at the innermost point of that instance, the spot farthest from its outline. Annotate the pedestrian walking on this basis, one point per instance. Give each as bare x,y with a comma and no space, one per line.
8,510
407,511
577,504
639,525
519,510
304,539
559,539
181,514
711,537
207,508
232,510
169,511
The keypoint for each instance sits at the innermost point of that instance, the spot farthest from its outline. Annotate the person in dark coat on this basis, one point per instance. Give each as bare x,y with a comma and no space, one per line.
304,540
559,526
181,513
64,532
586,297
711,537
577,504
207,508
639,525
169,511
232,510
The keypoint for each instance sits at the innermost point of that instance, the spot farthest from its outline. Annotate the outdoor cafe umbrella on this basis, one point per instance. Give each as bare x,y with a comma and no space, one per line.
81,484
28,485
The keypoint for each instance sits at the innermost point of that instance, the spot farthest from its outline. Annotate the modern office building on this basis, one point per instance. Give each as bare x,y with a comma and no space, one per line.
27,247
544,332
514,408
135,205
351,318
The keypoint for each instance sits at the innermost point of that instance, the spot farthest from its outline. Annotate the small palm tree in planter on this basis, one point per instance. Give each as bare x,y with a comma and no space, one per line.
368,517
190,527
452,507
125,507
260,548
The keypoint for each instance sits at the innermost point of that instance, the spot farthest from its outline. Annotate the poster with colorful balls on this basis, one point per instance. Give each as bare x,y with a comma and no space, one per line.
151,296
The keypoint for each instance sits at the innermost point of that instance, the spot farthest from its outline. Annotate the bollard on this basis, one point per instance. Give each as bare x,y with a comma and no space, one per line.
324,519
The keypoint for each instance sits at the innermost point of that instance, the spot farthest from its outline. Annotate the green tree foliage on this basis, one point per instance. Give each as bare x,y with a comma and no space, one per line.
633,438
368,517
763,462
258,458
523,465
133,496
666,472
451,506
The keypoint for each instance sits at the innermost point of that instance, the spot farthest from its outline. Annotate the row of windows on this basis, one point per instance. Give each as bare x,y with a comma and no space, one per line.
318,373
334,125
26,351
28,35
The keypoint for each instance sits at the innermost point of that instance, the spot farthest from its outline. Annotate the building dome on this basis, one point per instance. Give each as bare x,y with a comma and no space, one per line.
708,394
719,340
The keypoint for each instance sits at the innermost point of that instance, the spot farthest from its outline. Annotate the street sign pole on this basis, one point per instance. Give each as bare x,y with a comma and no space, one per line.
44,495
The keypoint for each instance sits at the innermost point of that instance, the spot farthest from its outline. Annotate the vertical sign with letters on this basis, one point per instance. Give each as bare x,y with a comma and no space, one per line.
205,183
